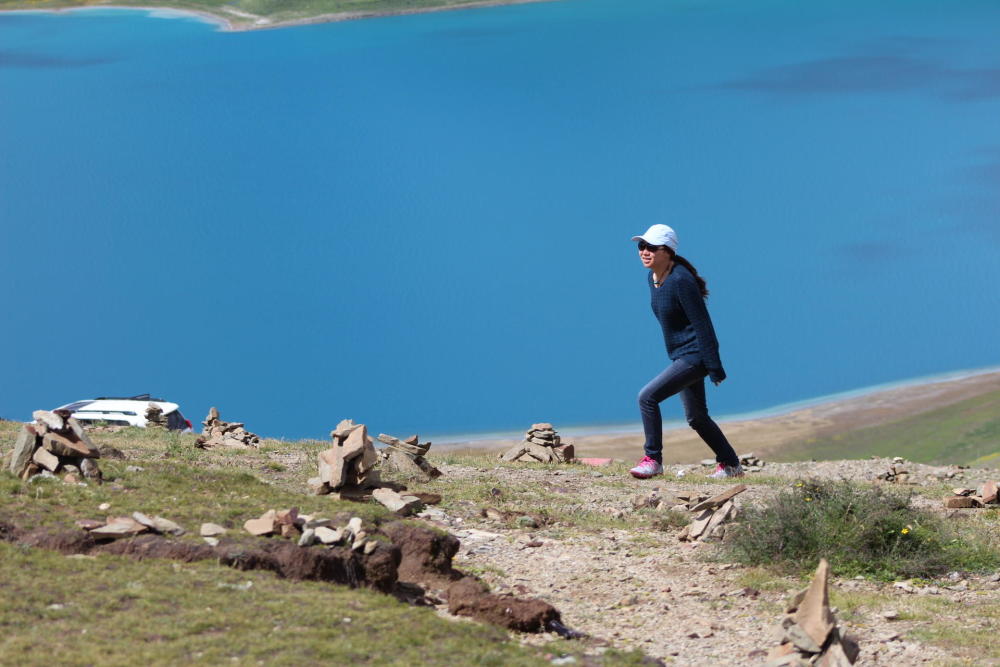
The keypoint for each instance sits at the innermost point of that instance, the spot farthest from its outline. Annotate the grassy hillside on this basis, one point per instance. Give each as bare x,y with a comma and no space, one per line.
966,432
275,11
113,610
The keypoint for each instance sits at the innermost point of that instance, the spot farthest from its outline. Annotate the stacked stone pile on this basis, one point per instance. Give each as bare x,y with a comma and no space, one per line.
55,444
348,467
218,433
541,444
895,475
128,526
809,634
155,417
973,498
308,530
709,515
406,458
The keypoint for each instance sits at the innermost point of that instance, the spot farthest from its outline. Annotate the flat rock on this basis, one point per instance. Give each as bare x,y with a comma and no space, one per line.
121,526
328,535
211,530
62,445
395,502
50,420
814,614
514,452
46,459
401,465
719,500
989,494
158,524
308,537
355,442
265,525
24,448
331,467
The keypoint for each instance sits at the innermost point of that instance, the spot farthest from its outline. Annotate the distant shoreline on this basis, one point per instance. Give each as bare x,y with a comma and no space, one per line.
907,391
237,21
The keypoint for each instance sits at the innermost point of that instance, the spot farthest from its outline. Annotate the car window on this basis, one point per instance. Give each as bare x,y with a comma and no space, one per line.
73,407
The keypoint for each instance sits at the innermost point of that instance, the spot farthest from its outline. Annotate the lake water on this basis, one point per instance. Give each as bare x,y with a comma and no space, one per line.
423,222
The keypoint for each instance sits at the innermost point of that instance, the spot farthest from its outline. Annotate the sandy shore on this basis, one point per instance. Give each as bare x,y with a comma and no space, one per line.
234,20
766,436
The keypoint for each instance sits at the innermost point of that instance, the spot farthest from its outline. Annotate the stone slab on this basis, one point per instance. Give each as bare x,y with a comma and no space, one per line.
989,493
24,448
46,459
211,530
719,500
813,614
265,525
69,445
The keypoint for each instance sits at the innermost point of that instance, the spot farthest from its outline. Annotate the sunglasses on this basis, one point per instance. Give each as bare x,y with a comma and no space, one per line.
647,246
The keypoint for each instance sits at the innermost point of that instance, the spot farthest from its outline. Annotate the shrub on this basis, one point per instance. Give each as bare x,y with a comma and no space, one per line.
860,529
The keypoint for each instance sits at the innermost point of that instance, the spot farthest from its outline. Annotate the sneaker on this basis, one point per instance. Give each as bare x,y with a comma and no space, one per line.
723,471
647,468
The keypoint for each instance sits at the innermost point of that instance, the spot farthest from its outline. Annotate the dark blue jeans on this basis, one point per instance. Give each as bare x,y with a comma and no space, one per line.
689,381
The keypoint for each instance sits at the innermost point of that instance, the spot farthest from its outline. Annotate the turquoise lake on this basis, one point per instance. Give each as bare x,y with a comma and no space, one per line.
422,222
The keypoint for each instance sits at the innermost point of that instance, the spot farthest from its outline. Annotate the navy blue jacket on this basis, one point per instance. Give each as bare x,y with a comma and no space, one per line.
687,328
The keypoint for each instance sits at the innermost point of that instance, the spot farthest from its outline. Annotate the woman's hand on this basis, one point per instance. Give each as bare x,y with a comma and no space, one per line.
717,382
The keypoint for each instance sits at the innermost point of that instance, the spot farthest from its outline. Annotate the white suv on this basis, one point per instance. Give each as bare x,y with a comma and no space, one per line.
129,411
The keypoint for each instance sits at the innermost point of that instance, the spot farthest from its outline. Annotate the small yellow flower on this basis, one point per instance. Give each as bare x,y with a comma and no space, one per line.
905,530
808,500
799,484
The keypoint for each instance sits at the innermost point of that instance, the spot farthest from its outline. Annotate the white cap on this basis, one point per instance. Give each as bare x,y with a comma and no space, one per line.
659,235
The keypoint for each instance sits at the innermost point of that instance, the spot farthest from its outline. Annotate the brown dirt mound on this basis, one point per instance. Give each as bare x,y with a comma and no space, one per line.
426,554
470,597
377,570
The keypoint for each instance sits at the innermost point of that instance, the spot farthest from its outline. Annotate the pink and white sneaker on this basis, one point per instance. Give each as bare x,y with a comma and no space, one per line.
724,472
647,468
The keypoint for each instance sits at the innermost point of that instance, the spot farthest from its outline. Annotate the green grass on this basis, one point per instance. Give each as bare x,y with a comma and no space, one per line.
115,611
961,433
860,529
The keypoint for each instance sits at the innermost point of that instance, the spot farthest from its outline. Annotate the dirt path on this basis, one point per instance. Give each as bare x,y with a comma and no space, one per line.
645,590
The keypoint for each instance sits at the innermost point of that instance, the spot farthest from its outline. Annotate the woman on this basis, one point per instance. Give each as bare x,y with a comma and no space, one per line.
678,296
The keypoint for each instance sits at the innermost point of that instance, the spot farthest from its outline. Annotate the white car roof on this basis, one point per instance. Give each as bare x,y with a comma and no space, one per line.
124,406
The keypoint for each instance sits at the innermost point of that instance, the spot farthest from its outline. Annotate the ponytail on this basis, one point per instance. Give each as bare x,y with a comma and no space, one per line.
694,272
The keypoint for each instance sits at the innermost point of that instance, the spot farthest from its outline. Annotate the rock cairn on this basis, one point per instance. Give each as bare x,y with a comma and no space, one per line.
308,530
895,474
973,498
349,466
709,515
218,433
809,634
116,527
55,444
405,458
541,444
155,417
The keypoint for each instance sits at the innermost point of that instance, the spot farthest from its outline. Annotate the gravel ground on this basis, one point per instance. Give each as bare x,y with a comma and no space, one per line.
645,590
